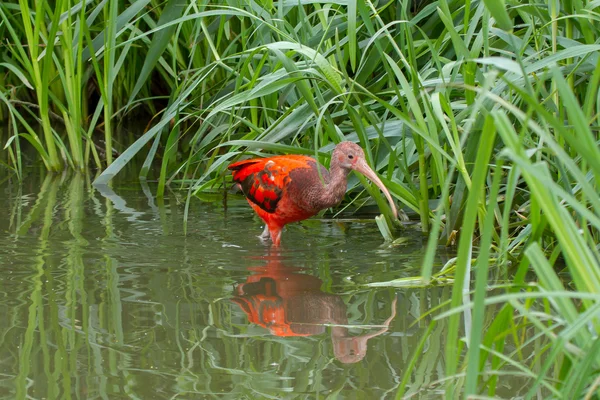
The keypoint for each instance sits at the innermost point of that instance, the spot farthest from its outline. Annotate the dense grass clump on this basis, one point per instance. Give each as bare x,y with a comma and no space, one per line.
480,116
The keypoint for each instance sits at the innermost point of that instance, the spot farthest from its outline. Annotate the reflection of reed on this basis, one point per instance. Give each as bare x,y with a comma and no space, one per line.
292,304
97,312
34,214
36,321
76,319
61,324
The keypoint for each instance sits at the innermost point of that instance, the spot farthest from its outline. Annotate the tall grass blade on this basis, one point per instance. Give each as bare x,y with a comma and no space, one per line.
486,143
172,10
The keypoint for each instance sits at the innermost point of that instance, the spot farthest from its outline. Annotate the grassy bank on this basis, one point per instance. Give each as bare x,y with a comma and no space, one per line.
482,121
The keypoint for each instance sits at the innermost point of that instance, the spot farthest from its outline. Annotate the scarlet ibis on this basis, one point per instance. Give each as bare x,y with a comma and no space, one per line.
284,189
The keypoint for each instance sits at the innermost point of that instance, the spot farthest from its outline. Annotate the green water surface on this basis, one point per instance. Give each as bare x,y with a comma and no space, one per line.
103,296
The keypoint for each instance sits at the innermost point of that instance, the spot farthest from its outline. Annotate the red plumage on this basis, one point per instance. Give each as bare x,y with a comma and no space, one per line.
266,182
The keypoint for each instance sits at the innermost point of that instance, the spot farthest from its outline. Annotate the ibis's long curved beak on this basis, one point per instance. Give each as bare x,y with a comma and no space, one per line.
362,167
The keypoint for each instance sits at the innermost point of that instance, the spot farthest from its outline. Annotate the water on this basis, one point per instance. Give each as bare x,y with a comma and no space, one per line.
103,296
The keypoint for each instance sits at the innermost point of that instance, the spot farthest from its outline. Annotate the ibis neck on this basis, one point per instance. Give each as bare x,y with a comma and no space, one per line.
336,188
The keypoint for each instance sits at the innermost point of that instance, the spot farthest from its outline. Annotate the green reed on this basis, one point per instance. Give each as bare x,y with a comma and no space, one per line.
480,116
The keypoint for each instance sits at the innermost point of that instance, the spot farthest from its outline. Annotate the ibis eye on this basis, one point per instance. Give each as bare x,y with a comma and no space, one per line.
350,156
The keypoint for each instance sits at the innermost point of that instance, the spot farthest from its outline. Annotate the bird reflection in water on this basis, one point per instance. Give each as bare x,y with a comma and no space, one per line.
289,303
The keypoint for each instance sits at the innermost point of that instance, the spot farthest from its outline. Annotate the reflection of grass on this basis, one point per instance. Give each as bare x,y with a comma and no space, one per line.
36,311
89,327
102,327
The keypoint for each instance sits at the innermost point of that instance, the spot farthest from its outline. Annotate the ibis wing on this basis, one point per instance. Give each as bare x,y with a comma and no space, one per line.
264,180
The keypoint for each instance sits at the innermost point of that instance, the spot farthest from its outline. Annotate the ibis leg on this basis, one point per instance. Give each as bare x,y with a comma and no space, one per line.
276,235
